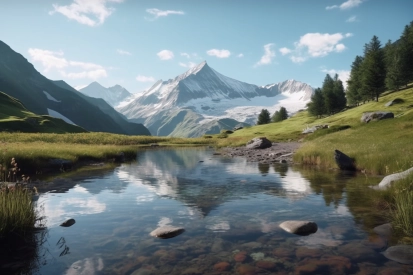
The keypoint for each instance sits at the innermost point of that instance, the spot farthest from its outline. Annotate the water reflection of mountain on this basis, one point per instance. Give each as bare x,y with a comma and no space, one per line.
203,181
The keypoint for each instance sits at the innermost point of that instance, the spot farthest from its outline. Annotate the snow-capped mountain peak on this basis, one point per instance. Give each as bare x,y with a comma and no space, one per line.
210,96
112,95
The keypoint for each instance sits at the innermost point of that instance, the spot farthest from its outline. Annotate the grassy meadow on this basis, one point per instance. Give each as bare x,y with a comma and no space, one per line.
381,147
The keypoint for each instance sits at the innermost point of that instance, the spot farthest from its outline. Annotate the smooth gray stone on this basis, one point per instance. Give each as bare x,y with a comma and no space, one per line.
299,227
166,232
400,253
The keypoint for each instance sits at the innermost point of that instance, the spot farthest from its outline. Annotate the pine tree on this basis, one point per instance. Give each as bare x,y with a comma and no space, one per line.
405,52
329,96
394,66
339,94
280,115
354,83
316,107
374,69
264,117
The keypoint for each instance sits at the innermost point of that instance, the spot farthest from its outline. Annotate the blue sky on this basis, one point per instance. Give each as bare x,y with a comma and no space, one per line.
134,43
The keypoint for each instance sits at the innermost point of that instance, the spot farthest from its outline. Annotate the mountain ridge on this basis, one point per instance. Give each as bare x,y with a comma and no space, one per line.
212,97
19,79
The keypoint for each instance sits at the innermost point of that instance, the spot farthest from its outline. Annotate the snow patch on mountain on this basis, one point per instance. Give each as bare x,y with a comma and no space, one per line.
49,97
56,114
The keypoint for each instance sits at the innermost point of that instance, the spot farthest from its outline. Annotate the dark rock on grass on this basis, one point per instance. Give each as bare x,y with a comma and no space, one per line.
394,101
302,228
400,253
375,116
68,223
166,232
259,143
343,161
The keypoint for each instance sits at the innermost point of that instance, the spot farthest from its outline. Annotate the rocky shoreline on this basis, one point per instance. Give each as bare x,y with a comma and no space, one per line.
279,152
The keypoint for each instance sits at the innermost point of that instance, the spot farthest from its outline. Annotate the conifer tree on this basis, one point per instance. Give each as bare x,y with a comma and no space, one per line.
264,117
354,83
280,115
395,75
329,95
374,69
316,107
339,94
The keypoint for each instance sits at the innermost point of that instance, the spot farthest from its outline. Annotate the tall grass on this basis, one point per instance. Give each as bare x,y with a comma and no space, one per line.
402,211
17,213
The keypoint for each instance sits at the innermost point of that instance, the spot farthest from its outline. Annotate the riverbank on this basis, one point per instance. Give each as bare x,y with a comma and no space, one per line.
279,152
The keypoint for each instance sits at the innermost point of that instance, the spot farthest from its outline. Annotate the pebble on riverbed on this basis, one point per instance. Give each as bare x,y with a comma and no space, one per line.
166,232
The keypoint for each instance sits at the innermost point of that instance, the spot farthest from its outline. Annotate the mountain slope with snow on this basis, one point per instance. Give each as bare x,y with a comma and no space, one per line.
211,97
112,95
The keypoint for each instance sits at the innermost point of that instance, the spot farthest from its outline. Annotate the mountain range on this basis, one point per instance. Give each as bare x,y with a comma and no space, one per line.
112,95
20,80
203,101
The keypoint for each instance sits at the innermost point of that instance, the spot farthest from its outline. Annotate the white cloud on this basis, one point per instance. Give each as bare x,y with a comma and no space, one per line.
55,60
285,51
90,12
162,13
298,59
348,34
187,55
352,19
219,53
331,7
187,65
240,55
269,54
346,5
85,65
49,59
94,74
142,78
320,44
340,47
350,4
165,55
123,52
343,75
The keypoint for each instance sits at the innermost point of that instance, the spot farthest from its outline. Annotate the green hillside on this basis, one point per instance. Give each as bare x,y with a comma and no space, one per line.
19,79
380,147
14,117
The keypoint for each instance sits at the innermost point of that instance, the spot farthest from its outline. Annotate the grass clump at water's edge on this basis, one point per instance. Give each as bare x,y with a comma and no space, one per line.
35,149
398,201
17,213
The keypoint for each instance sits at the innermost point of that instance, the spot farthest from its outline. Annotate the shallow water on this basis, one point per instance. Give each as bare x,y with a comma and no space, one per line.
230,210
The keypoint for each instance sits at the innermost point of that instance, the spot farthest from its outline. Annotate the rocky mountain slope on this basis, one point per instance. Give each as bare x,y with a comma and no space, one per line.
112,95
19,79
202,101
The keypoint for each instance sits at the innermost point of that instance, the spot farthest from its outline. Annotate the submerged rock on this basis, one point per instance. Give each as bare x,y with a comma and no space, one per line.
302,228
86,266
259,143
383,230
400,253
68,223
167,231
